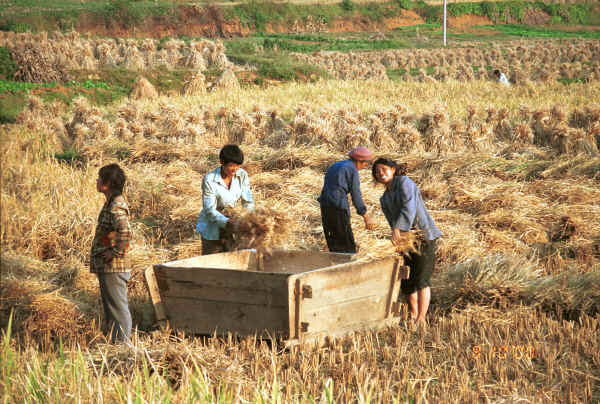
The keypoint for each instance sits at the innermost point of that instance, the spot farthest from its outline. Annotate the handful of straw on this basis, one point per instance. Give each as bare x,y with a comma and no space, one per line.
410,242
262,229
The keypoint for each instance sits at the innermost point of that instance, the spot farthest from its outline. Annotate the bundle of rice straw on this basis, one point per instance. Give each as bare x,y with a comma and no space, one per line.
52,316
410,242
38,65
226,80
262,229
197,85
143,89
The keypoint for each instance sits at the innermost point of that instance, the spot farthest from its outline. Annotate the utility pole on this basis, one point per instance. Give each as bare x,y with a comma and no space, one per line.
444,22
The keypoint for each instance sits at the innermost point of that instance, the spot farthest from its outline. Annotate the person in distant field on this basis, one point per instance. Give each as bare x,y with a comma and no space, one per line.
108,258
221,188
404,210
501,77
342,179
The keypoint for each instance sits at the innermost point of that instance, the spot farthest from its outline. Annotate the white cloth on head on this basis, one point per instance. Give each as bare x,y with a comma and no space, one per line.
502,79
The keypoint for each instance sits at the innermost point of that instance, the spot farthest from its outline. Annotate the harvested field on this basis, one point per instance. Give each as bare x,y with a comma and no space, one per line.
521,61
512,181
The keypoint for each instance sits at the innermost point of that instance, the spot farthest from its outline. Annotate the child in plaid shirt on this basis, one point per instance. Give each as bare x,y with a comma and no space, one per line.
108,258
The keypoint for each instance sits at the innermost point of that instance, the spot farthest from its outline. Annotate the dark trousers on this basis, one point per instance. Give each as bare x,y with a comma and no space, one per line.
337,229
117,318
421,266
217,246
213,246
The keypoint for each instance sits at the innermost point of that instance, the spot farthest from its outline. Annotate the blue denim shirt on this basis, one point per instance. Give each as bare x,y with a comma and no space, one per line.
342,179
216,197
404,208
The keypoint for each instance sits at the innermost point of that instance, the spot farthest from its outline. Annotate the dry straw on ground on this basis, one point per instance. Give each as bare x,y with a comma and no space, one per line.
526,198
33,294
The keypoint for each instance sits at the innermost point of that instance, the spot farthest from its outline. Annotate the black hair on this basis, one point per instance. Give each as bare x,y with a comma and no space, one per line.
231,154
497,72
400,168
113,176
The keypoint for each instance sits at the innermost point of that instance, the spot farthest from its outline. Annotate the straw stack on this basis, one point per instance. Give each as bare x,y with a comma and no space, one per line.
195,86
143,89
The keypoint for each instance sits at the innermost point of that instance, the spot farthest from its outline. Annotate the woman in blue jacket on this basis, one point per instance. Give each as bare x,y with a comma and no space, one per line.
404,210
223,187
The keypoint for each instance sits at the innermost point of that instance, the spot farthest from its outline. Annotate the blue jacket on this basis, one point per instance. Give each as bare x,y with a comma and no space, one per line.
216,197
404,208
342,179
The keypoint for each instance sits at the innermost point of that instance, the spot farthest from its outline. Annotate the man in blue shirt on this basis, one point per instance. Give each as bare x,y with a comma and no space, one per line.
342,179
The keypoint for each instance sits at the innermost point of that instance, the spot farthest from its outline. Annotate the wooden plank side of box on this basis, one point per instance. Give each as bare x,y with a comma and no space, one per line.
320,338
209,316
347,295
301,261
204,299
268,289
238,260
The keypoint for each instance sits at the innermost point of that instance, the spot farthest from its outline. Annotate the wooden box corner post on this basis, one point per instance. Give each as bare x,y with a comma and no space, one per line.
152,285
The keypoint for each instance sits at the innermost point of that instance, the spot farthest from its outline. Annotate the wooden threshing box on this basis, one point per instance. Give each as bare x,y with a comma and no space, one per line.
291,295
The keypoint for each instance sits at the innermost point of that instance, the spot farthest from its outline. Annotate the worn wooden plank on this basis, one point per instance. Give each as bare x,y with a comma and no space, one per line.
344,314
298,307
293,262
267,289
394,290
371,287
204,317
348,282
347,275
320,338
292,325
349,294
239,260
153,290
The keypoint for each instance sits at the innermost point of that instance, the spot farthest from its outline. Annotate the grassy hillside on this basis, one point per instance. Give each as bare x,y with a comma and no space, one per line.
259,16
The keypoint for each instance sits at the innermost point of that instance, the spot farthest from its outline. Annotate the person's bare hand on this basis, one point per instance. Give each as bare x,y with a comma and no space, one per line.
396,236
369,225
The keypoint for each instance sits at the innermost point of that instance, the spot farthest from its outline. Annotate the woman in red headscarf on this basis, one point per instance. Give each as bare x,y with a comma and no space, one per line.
342,179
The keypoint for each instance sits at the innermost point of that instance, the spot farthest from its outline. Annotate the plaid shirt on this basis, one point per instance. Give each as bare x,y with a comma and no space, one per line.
112,233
